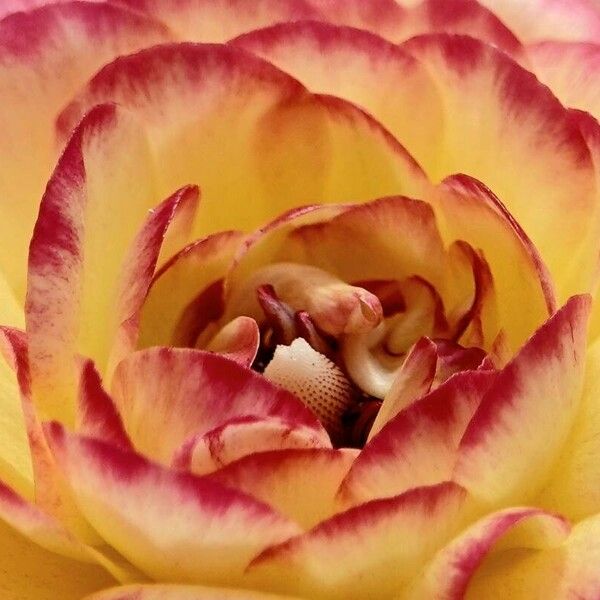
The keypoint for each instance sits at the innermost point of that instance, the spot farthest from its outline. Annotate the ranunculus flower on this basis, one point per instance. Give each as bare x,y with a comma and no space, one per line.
307,308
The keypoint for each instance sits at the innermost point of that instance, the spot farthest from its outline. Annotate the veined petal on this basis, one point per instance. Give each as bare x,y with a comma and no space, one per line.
75,257
182,392
467,210
449,572
576,20
568,571
181,592
45,56
539,153
239,437
187,292
29,571
366,544
361,67
299,483
570,69
220,20
419,445
522,423
219,116
209,538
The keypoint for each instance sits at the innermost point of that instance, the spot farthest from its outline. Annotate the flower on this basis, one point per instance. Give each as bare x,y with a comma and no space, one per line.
358,366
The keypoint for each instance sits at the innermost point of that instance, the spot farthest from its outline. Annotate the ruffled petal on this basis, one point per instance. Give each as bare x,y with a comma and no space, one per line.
522,423
467,210
209,538
300,484
419,445
502,126
45,56
367,545
182,392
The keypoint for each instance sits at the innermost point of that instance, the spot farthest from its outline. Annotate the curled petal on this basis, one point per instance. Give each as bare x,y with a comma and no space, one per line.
211,536
182,392
238,340
239,437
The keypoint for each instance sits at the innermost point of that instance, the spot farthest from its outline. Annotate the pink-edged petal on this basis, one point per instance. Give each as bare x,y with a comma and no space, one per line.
181,592
187,294
361,67
466,17
502,126
375,547
398,234
467,210
182,392
97,415
570,71
414,379
299,483
210,536
165,229
45,56
239,340
449,572
569,571
219,116
419,445
80,239
239,437
28,571
220,20
522,423
575,20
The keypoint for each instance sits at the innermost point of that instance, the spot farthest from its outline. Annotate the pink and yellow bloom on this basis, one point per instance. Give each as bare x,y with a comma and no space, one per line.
296,299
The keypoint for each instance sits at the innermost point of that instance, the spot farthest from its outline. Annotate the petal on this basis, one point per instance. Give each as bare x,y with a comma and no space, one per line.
239,437
181,592
569,70
73,39
186,294
574,486
467,210
358,66
219,20
11,311
15,458
419,445
181,392
72,279
465,17
576,20
366,544
29,571
447,575
219,116
209,538
522,423
238,340
300,484
502,126
172,217
569,571
97,415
